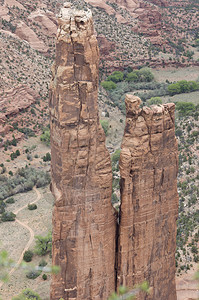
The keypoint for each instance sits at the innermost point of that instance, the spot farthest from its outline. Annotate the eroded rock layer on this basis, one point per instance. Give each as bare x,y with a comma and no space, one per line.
149,203
83,219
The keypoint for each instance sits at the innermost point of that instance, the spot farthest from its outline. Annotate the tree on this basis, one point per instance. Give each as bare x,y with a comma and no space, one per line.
108,85
43,244
146,75
132,77
116,76
154,100
174,89
28,256
8,216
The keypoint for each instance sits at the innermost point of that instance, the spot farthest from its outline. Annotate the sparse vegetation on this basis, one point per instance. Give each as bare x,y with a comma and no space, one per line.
32,206
24,180
28,256
8,217
43,244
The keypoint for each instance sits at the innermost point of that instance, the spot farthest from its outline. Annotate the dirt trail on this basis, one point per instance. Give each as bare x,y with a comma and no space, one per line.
31,234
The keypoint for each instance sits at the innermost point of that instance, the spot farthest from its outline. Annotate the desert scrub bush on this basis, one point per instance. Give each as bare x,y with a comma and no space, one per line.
33,274
43,244
23,180
8,216
26,295
185,108
105,126
28,255
45,137
10,200
42,263
27,131
47,157
154,100
44,277
114,198
2,206
32,206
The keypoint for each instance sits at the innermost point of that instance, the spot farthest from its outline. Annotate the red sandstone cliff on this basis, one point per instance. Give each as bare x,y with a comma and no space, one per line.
149,199
83,218
85,244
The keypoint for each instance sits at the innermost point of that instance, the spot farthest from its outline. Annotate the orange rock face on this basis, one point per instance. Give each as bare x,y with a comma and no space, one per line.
94,260
149,203
83,218
13,101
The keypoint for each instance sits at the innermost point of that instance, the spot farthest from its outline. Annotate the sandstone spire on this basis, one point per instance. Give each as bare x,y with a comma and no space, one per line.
149,199
83,219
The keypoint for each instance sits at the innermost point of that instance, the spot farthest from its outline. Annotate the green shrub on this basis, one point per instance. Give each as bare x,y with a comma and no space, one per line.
108,85
105,126
42,263
8,216
114,199
116,156
28,256
47,157
154,101
10,200
185,108
45,137
174,89
2,206
116,76
44,276
32,206
43,244
26,295
132,77
33,274
17,152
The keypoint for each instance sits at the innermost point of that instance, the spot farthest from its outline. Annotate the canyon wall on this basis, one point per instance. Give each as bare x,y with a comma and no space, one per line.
83,218
94,257
149,199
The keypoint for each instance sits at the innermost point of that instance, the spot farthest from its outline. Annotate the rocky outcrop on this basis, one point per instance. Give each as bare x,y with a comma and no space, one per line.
12,102
43,19
95,257
83,218
149,199
26,33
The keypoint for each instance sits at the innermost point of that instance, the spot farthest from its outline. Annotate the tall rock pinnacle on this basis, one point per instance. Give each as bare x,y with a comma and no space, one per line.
149,199
95,257
83,218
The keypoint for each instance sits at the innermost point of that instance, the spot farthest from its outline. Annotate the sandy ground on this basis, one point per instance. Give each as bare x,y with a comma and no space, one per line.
16,236
173,74
187,287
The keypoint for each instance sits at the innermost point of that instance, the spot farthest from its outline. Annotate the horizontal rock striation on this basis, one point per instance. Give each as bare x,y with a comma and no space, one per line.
83,218
149,199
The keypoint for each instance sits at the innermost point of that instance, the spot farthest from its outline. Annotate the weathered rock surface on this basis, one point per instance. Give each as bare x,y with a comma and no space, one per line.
43,19
83,218
27,34
12,101
149,199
